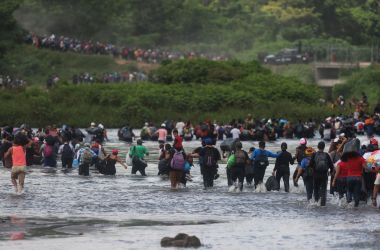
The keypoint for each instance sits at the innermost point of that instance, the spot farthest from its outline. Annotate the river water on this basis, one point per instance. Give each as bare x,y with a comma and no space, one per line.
66,211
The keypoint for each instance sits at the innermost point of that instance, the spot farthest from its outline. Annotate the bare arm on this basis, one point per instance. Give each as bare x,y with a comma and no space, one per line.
337,172
121,162
8,153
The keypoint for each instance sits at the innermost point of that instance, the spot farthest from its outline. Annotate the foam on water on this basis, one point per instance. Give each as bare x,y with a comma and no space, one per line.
66,211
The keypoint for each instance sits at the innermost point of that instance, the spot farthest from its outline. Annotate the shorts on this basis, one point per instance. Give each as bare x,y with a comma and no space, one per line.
16,171
377,181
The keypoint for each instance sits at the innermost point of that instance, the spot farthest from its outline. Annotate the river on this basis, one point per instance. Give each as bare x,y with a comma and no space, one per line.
66,211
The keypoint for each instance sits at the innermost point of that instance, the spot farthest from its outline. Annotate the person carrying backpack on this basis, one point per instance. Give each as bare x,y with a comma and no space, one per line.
108,166
306,172
67,154
260,162
321,162
137,154
48,151
85,156
209,157
281,167
177,165
299,156
238,169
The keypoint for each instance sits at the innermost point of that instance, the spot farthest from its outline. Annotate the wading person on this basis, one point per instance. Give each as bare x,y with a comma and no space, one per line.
281,167
18,155
260,162
137,154
321,163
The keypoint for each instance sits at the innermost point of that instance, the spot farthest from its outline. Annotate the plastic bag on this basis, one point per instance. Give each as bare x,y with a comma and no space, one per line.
128,159
231,161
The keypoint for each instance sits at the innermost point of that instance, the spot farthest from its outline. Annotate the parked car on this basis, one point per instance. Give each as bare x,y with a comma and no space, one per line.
287,56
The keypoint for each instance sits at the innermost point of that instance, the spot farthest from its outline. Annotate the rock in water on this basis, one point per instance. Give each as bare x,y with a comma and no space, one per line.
181,240
166,242
192,241
181,236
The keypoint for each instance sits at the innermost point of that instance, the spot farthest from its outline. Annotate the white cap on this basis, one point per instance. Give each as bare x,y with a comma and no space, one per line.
163,125
336,139
101,126
93,124
303,141
342,135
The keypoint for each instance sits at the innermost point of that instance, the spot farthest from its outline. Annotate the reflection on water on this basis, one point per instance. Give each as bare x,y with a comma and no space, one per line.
118,212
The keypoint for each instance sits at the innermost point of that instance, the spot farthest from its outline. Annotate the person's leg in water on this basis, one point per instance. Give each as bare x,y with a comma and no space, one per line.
316,188
134,168
285,179
341,184
308,182
249,179
86,169
14,178
278,178
320,189
142,171
376,189
294,177
229,178
208,177
241,176
21,179
357,190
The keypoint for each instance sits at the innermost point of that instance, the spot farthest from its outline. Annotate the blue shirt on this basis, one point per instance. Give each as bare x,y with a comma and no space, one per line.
262,151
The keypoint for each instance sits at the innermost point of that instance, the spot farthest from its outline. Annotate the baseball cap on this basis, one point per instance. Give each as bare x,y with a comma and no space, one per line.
115,151
163,125
303,141
373,141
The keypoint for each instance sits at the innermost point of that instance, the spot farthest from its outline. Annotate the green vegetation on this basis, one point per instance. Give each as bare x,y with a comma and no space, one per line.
35,65
254,90
218,25
205,71
365,80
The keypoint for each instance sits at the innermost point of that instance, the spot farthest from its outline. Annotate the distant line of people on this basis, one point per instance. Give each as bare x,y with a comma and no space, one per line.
156,55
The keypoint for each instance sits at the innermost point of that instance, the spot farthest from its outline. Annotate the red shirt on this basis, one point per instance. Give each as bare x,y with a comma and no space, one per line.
343,169
355,166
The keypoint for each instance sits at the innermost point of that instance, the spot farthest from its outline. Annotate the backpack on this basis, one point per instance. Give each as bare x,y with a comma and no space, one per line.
67,152
321,162
48,150
308,170
272,184
209,158
261,161
240,157
178,161
86,157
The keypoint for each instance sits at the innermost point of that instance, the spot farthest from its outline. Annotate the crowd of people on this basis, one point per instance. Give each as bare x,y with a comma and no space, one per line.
353,168
152,55
109,77
9,82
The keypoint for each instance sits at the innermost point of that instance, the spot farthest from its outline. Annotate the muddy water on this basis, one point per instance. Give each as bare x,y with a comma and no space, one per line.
66,211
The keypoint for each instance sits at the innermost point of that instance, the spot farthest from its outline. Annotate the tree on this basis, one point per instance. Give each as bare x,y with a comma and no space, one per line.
8,27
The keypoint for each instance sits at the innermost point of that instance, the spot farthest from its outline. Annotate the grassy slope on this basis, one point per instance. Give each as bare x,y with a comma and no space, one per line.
35,65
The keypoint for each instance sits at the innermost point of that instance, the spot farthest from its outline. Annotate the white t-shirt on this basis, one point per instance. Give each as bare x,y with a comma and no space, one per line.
179,126
235,133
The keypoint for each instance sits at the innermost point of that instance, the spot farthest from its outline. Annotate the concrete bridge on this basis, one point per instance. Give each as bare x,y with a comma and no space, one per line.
328,74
